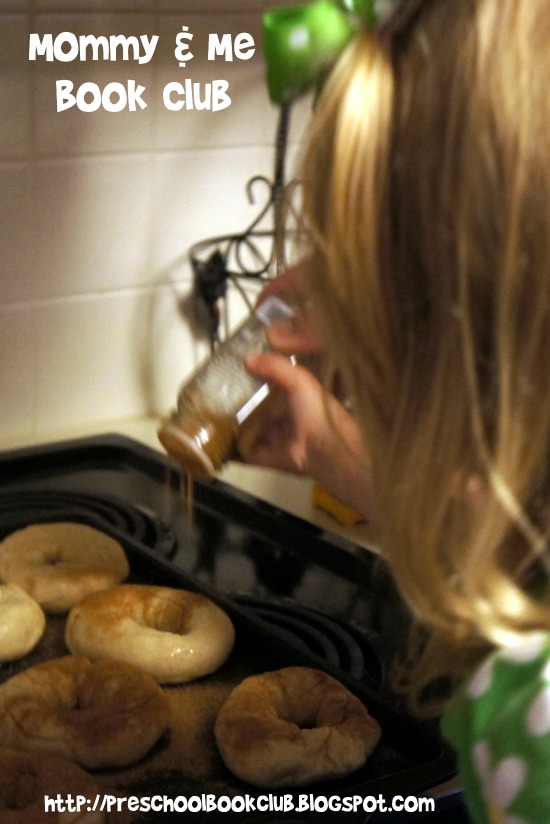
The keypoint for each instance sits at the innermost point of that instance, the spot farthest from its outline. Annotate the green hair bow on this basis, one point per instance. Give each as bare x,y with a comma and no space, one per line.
301,42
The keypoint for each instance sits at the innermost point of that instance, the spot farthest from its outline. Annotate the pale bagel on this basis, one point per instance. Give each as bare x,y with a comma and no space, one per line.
173,634
59,563
22,622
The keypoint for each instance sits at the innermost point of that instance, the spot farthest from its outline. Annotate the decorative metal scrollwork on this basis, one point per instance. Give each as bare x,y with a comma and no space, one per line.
258,252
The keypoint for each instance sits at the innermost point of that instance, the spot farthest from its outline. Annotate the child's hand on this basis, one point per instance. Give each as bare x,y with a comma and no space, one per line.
303,429
280,432
293,336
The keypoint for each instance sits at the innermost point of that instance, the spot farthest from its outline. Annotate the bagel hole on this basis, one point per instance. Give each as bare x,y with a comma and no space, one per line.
162,624
304,721
170,617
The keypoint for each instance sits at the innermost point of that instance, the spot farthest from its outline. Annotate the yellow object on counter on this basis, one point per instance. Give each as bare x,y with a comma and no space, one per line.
345,515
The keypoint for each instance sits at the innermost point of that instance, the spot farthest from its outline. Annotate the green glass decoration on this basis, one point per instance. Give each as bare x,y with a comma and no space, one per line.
301,42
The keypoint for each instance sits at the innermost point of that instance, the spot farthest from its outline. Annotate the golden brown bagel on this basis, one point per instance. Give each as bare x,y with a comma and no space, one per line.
26,778
292,727
106,714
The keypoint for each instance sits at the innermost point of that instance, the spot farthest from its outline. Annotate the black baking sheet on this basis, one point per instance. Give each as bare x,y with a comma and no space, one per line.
234,542
410,756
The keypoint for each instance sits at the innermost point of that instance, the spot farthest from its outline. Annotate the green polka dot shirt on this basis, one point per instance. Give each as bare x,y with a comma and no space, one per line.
499,725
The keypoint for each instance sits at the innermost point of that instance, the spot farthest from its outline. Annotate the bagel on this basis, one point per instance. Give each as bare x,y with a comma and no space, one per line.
175,635
26,779
59,563
292,727
105,714
22,622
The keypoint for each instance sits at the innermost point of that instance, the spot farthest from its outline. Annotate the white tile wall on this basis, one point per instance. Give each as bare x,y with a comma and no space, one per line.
98,210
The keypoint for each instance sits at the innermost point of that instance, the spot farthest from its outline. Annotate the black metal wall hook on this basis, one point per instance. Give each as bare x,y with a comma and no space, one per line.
258,252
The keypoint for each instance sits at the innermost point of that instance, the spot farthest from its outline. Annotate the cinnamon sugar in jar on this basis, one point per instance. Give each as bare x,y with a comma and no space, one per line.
213,404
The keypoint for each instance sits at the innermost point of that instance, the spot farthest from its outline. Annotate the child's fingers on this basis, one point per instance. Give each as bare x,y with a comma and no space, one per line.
274,368
292,339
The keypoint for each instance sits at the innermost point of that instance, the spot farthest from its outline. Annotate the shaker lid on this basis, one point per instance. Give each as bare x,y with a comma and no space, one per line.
185,450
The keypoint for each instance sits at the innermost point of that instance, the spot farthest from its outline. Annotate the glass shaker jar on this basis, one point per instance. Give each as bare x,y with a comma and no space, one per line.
213,404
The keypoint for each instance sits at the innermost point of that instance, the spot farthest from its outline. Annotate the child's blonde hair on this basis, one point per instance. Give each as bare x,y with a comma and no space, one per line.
428,205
